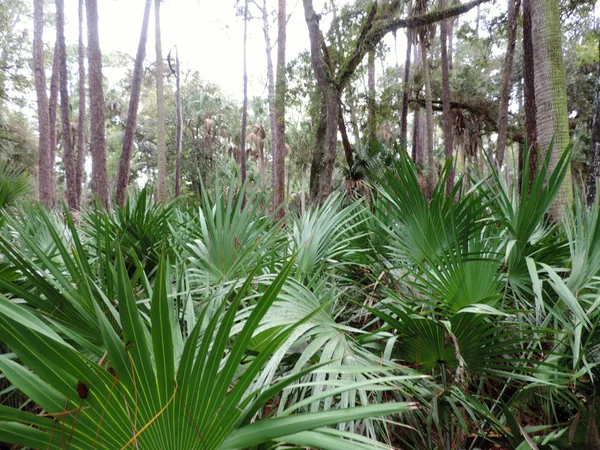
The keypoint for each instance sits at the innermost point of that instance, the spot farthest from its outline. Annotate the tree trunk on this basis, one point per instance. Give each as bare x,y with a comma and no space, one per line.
53,111
97,126
371,126
67,140
594,158
513,14
161,146
303,193
179,137
45,169
271,94
552,115
431,169
79,170
134,100
448,116
529,91
245,103
345,141
279,157
318,153
404,116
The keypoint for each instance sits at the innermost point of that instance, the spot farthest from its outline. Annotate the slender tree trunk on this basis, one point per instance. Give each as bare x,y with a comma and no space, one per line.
551,92
419,141
280,87
134,100
179,137
594,158
79,170
271,95
97,126
303,194
371,126
161,146
245,104
67,140
404,116
431,170
53,110
345,141
513,14
318,153
45,169
529,91
446,98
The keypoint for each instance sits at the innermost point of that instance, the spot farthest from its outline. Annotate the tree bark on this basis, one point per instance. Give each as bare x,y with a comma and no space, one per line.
53,111
280,87
161,146
97,126
404,116
179,131
446,98
513,14
552,115
594,157
529,91
318,153
67,140
79,171
245,102
371,126
134,100
431,169
45,169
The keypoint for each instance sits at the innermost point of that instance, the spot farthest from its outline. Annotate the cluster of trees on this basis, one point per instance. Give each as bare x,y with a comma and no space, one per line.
490,78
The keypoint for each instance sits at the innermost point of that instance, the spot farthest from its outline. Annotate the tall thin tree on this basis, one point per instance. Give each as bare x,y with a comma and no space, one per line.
529,92
67,140
161,146
446,97
81,124
594,158
46,188
53,109
97,125
245,102
179,137
134,100
279,175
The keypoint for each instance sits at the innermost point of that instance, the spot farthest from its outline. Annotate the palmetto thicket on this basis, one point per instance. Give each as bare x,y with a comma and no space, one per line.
467,320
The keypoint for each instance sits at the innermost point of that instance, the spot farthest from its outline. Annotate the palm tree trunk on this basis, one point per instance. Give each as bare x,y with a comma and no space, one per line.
67,141
97,127
45,168
161,146
279,158
513,14
551,91
79,170
134,100
594,158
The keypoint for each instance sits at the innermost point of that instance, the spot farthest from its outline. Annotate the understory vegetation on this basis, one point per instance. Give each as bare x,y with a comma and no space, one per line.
389,320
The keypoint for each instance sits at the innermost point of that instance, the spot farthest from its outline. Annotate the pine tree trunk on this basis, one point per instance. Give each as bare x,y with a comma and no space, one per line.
271,95
45,169
280,87
448,116
134,100
53,111
179,131
529,91
245,103
594,158
97,126
551,92
161,146
431,169
513,14
79,170
67,140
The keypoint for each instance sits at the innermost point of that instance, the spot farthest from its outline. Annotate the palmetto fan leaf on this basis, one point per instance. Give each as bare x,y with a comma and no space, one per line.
142,394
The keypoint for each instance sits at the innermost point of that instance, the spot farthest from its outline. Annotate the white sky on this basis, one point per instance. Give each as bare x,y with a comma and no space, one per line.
208,34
